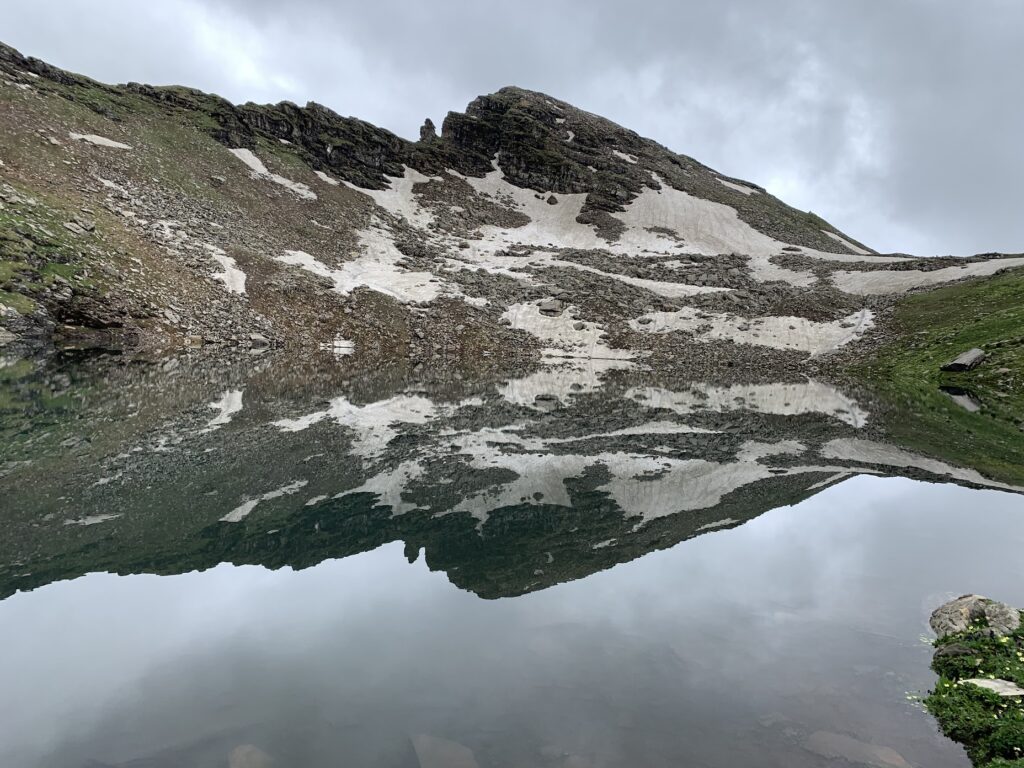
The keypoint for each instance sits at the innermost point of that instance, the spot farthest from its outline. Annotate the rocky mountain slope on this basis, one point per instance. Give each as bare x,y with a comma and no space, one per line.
162,217
533,345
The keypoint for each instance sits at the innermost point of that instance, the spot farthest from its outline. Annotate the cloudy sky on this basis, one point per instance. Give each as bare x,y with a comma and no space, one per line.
898,120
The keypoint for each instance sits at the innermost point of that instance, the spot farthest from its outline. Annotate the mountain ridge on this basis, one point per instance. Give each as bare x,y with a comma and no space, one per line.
458,145
162,217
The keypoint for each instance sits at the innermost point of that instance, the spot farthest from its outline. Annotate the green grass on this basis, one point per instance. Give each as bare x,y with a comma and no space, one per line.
54,269
23,305
990,727
934,328
9,269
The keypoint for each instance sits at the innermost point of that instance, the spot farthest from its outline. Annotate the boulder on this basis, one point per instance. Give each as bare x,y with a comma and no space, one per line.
435,752
249,756
551,307
968,361
842,747
1003,688
958,615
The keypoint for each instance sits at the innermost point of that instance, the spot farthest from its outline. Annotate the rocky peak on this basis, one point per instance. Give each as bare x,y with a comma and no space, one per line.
427,131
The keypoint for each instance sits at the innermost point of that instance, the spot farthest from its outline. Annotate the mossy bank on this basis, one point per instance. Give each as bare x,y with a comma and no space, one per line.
978,699
972,416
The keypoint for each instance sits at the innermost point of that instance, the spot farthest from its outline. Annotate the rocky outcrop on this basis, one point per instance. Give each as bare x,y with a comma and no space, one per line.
961,614
979,698
428,131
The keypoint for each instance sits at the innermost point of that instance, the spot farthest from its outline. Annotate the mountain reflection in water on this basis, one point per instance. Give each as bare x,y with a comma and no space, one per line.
510,485
788,640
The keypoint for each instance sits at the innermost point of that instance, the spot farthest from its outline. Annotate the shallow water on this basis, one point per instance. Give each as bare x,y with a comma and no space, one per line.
583,567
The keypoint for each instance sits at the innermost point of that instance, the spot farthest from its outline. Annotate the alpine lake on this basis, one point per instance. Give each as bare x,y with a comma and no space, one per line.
269,562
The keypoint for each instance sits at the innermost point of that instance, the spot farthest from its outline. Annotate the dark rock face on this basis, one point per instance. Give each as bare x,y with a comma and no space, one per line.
427,131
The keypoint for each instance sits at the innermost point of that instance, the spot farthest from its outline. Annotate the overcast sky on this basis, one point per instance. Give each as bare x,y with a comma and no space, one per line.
900,121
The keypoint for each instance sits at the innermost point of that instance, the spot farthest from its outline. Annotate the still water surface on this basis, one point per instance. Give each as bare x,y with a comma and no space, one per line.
623,582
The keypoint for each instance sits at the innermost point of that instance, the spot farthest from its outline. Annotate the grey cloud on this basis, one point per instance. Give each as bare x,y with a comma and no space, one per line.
897,121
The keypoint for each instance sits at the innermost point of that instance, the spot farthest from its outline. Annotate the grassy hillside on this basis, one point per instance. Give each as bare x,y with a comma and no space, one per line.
934,328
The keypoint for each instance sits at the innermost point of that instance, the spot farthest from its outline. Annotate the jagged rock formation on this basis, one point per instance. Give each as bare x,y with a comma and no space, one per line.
428,130
163,217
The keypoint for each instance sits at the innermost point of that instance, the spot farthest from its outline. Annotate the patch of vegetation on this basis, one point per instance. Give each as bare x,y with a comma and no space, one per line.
23,305
9,269
934,328
53,269
36,251
991,727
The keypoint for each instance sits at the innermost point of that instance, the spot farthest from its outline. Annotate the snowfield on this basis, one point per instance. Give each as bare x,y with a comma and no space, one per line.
259,171
99,141
795,333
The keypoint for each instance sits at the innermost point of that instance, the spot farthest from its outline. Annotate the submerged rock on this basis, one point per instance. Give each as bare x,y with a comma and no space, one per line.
435,752
843,747
249,756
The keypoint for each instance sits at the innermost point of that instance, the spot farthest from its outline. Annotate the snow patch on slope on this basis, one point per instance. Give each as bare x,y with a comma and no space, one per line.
792,333
259,171
888,282
373,270
778,399
327,179
741,188
232,277
843,241
99,141
398,199
567,336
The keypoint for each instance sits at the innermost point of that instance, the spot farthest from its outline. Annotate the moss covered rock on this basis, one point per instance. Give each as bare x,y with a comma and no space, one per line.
980,663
